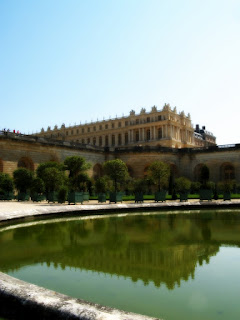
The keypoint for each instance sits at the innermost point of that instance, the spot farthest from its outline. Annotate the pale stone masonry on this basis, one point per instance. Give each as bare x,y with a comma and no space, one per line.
165,128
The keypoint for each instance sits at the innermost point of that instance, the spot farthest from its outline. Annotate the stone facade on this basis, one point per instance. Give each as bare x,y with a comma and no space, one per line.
28,151
164,127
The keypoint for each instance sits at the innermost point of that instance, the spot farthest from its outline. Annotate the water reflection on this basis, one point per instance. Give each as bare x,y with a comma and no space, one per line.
163,249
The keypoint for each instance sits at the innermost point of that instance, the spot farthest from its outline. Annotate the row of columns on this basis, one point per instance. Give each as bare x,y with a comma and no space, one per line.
142,134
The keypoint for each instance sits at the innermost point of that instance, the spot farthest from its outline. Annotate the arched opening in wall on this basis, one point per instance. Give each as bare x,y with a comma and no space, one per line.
27,163
227,172
197,172
1,165
97,171
130,171
54,158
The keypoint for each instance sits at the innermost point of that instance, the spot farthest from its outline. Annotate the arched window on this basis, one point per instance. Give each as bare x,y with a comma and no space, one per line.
100,141
94,141
113,140
137,135
119,139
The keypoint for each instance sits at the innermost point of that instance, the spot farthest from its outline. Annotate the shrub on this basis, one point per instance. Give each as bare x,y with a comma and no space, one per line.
182,184
23,179
6,183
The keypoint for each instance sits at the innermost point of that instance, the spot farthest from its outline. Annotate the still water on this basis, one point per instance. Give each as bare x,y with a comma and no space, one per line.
173,266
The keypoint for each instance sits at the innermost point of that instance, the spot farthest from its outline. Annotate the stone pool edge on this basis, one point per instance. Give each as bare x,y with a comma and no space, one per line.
27,301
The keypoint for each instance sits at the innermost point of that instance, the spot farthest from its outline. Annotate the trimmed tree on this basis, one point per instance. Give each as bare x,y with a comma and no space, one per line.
116,170
6,183
23,179
159,172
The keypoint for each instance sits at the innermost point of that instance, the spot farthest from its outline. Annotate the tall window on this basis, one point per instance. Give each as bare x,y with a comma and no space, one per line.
106,141
100,141
137,135
119,139
94,141
148,135
160,135
113,140
126,138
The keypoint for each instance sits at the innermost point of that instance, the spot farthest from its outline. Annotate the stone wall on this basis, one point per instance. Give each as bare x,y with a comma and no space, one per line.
184,162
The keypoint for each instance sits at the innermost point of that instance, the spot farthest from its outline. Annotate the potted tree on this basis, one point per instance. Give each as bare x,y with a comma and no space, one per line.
225,188
52,174
78,178
23,181
37,190
117,171
139,187
101,188
159,172
6,187
183,186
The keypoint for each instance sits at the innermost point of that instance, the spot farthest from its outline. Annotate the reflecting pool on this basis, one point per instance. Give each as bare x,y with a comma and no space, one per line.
174,266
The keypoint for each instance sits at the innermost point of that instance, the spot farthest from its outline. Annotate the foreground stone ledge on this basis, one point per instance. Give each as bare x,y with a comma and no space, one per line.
22,300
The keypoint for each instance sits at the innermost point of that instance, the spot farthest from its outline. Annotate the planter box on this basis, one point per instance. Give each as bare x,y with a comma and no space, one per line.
85,196
160,196
115,197
36,197
7,196
226,196
102,197
138,197
22,196
205,194
183,196
75,197
52,196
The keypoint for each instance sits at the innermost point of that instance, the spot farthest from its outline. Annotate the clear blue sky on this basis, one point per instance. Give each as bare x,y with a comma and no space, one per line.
76,61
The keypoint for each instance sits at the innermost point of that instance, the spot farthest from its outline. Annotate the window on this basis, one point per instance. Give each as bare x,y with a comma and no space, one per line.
148,119
82,130
106,126
88,129
113,125
106,141
137,121
126,138
77,131
119,139
119,124
126,123
160,133
100,141
66,133
94,128
100,127
94,141
159,118
88,140
71,131
148,135
137,135
113,140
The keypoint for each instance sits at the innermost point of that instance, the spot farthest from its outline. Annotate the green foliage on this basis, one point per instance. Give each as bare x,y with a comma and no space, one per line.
117,171
195,187
53,178
23,179
78,178
139,185
6,183
225,186
62,194
50,164
37,185
101,185
182,184
159,172
76,165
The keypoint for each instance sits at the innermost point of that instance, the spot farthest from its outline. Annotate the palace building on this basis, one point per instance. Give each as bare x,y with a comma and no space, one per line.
163,128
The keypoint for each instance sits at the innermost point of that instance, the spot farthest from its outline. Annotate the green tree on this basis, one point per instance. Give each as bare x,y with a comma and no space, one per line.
23,179
49,164
77,167
182,184
6,183
159,172
53,179
116,170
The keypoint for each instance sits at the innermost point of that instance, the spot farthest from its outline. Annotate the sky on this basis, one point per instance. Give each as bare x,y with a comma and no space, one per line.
77,61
